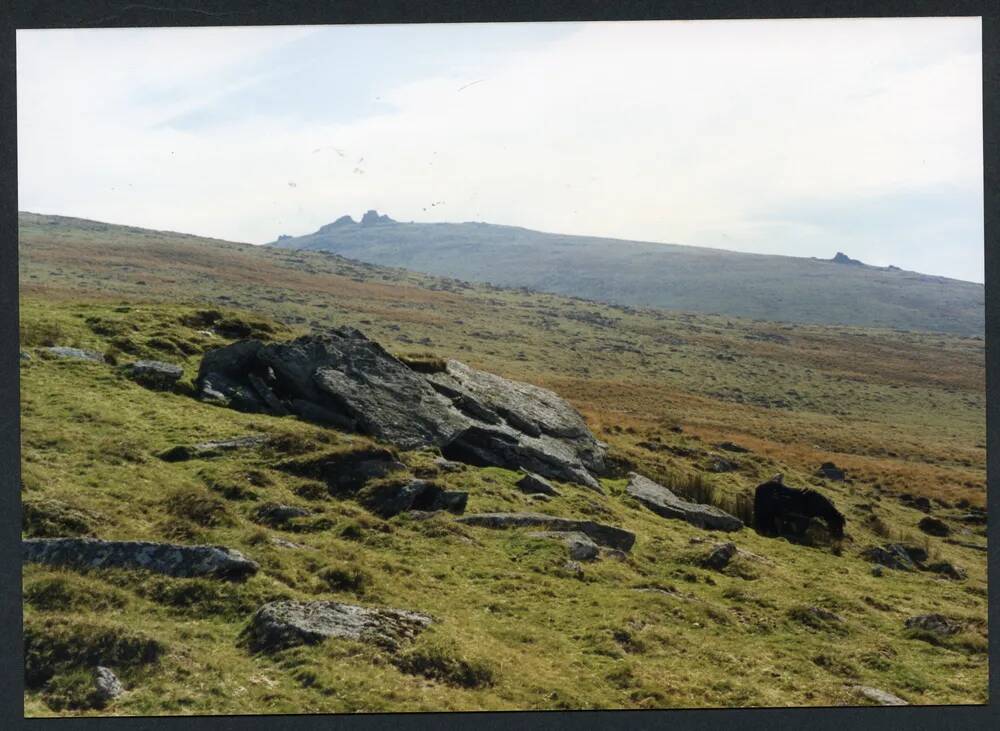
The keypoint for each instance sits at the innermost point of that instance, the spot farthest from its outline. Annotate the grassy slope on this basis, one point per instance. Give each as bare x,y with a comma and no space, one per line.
903,412
791,289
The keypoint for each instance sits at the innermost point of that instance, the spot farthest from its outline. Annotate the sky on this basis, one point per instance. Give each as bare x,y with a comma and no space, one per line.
795,137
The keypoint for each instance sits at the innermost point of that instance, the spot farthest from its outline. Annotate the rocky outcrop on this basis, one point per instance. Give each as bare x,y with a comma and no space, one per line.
665,503
281,624
154,374
892,556
161,558
61,351
205,450
372,218
604,535
343,379
395,497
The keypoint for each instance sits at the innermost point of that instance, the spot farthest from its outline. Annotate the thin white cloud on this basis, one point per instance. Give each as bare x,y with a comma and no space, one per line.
690,132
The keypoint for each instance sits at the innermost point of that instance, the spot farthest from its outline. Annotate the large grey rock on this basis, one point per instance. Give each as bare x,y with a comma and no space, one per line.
107,687
154,374
881,697
664,502
282,624
342,378
162,558
216,448
604,535
61,351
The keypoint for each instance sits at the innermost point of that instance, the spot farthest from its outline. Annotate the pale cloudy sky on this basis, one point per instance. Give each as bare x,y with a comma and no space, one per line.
787,137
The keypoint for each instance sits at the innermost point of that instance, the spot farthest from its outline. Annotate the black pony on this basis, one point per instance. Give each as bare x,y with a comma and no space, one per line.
779,509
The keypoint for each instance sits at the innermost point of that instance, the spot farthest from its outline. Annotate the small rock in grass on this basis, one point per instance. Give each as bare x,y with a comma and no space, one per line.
936,624
536,484
107,687
720,556
154,374
934,527
24,355
830,471
61,351
881,697
273,514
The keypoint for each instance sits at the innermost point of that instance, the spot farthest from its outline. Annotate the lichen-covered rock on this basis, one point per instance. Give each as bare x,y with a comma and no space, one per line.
162,558
154,374
107,687
281,624
343,379
881,697
206,450
665,503
61,351
604,535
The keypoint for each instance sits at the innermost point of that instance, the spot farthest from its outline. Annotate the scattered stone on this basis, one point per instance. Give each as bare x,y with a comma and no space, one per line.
574,567
281,624
604,535
581,547
830,471
892,556
24,355
730,447
282,543
154,374
934,527
162,558
665,503
397,497
540,497
274,514
720,556
946,568
720,464
877,571
60,351
343,379
206,450
936,624
534,484
881,697
107,687
446,465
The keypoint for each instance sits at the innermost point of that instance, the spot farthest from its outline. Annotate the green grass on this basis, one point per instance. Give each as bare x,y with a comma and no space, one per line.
514,629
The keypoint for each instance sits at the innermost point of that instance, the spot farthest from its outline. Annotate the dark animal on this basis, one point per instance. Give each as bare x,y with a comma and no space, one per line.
779,509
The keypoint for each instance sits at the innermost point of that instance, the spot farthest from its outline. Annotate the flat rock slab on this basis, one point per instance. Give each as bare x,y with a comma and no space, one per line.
665,503
601,534
881,697
60,351
161,558
154,374
206,450
281,624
